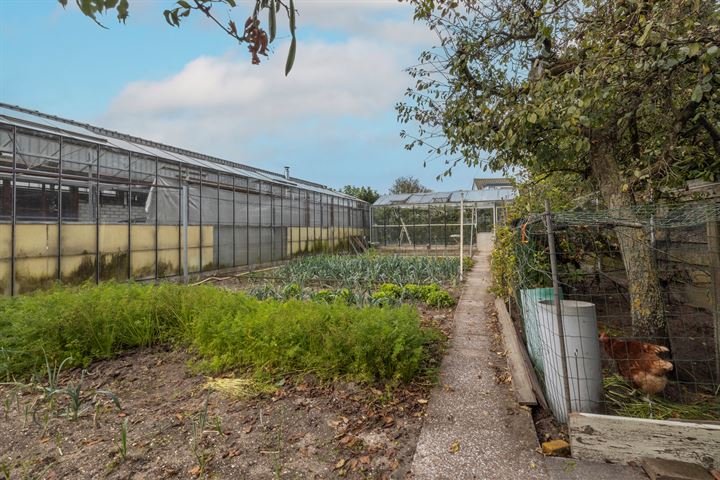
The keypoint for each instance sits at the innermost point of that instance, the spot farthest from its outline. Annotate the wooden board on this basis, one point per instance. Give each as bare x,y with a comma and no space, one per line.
520,376
622,440
661,469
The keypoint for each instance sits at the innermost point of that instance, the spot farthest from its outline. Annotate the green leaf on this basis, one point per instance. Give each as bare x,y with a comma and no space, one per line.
645,34
532,118
183,4
272,21
292,18
291,55
697,93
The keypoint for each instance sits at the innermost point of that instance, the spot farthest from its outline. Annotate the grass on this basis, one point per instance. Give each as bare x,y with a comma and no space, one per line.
624,400
227,331
364,271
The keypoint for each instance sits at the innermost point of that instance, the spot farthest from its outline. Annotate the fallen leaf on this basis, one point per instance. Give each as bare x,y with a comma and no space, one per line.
454,447
348,440
365,459
248,429
422,401
195,471
340,463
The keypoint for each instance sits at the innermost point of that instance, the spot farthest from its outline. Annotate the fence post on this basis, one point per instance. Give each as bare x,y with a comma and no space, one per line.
184,213
713,238
558,312
462,231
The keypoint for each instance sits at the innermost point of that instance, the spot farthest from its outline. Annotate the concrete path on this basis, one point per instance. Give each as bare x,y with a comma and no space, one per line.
474,427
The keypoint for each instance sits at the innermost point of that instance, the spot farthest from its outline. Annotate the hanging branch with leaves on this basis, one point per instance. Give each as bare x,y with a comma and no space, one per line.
253,32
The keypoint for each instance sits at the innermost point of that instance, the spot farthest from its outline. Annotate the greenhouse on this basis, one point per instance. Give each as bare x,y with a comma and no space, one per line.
80,203
432,221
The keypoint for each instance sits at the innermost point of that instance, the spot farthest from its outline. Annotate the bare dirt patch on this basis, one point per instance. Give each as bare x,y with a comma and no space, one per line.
304,429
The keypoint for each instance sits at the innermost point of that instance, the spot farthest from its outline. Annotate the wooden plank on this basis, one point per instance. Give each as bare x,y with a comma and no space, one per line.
520,376
527,365
661,469
608,438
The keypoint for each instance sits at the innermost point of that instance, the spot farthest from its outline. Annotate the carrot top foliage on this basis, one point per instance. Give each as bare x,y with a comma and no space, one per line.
226,330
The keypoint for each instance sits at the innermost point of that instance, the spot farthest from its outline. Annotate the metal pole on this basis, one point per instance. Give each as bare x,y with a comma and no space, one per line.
157,223
234,246
200,202
462,232
372,225
217,245
272,223
13,214
59,214
180,218
184,201
97,215
129,232
558,312
283,234
429,232
445,225
247,222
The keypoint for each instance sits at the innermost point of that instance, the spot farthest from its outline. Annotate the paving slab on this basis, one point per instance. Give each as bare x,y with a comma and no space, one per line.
474,428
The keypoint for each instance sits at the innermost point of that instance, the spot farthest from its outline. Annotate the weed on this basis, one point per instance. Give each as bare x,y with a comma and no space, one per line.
53,375
75,394
58,443
6,470
202,456
123,439
217,424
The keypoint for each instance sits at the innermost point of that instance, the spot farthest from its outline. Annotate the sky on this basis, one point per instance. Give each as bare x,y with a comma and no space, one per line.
332,120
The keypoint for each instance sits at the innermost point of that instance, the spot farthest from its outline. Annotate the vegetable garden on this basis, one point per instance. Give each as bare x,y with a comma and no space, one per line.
349,343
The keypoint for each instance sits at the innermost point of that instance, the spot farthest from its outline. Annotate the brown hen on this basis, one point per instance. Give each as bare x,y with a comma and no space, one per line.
639,362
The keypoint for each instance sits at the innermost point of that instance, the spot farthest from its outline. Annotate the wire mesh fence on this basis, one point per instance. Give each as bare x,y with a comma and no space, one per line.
621,309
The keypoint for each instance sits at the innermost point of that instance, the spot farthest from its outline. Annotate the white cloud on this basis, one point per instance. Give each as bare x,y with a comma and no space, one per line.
216,96
337,102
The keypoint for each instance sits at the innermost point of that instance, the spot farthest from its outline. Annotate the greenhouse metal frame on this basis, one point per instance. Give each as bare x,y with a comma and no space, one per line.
434,219
80,203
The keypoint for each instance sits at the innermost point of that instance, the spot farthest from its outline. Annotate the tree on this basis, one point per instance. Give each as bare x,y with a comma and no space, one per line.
366,194
253,32
408,185
623,93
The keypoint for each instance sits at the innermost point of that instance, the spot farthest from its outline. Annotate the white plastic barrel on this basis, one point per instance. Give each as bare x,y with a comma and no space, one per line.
582,350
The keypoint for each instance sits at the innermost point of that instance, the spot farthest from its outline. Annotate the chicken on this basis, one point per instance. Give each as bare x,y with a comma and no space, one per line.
639,362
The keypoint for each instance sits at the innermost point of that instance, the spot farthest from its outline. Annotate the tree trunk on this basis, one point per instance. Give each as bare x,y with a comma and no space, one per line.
646,300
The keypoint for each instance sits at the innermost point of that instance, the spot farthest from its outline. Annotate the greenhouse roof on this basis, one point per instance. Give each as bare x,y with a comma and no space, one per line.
52,125
478,198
